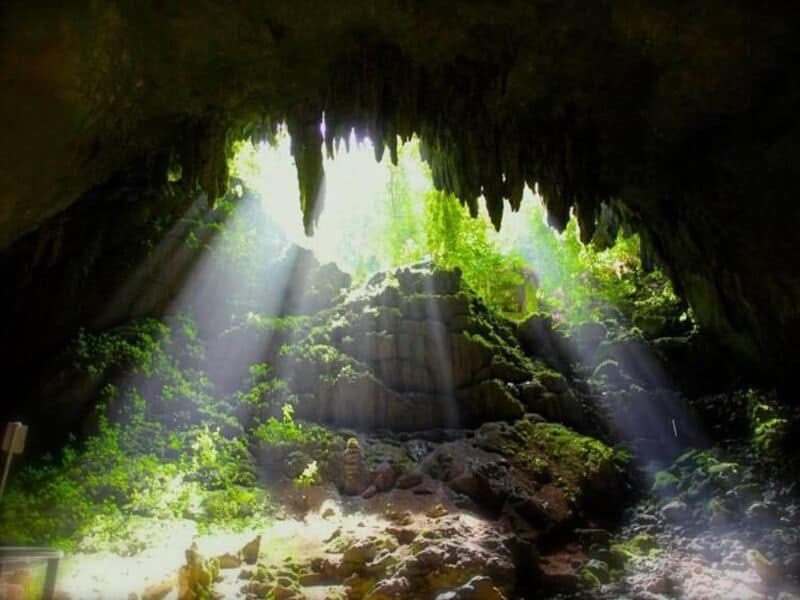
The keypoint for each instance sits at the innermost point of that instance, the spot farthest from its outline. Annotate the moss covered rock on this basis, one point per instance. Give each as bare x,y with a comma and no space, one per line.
543,474
415,349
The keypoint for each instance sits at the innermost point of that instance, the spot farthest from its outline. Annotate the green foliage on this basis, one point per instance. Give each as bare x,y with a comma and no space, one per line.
454,239
580,283
309,477
271,324
286,431
401,242
233,505
57,501
163,446
218,461
131,348
665,484
95,486
148,374
278,440
265,391
641,544
769,423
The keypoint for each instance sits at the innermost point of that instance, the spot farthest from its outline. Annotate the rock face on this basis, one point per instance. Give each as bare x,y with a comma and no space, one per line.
415,350
310,286
483,514
540,475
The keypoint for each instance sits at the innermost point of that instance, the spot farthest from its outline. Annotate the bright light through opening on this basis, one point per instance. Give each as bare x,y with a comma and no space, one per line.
354,182
356,196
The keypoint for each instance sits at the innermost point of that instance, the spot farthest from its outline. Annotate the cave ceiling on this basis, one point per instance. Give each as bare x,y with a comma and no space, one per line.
680,116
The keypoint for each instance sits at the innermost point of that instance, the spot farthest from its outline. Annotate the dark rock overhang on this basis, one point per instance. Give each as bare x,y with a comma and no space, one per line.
680,117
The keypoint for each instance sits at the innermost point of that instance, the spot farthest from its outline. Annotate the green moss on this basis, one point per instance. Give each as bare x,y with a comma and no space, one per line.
573,458
549,451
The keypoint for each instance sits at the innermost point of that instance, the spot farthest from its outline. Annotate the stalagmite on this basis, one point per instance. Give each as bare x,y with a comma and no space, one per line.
353,468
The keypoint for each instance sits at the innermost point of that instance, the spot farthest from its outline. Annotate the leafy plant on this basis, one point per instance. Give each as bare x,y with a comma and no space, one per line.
283,432
309,477
162,444
769,423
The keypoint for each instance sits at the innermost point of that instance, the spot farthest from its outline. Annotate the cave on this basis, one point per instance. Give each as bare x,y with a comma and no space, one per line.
443,300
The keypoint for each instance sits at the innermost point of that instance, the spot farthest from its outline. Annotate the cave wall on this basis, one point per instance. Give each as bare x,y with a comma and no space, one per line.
681,116
120,253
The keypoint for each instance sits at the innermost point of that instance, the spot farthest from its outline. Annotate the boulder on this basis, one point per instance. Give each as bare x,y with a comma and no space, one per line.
249,552
541,474
676,512
409,479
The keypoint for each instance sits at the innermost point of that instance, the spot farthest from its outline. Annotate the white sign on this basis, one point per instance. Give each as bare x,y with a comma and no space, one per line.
14,438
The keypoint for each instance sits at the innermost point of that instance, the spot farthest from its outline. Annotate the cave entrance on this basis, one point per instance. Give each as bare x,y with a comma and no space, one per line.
565,300
380,216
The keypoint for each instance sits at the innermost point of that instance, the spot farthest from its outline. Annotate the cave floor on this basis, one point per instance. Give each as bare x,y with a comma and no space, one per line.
562,480
331,526
306,550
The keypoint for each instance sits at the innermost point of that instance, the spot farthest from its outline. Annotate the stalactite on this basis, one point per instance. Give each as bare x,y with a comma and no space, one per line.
203,159
493,188
607,226
306,148
514,183
392,143
214,167
471,148
648,254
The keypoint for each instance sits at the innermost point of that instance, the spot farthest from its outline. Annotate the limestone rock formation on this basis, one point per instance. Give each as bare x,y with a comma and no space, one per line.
353,468
415,349
196,577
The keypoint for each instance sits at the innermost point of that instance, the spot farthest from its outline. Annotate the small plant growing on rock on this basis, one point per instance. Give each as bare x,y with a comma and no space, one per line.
309,477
